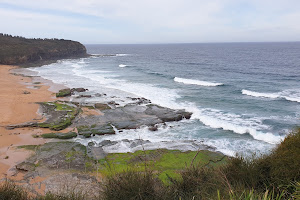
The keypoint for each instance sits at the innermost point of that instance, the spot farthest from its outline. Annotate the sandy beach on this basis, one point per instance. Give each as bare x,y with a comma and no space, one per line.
18,97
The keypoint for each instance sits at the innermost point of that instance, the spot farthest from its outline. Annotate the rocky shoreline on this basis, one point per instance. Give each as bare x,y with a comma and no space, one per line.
62,114
69,118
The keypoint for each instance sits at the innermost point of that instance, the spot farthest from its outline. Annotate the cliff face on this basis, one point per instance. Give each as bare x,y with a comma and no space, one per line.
18,50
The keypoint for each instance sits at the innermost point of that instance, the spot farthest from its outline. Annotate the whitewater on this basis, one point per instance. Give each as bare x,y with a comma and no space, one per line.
241,99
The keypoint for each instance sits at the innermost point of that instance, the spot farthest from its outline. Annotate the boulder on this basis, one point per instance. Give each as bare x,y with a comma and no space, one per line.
102,106
78,90
64,93
25,166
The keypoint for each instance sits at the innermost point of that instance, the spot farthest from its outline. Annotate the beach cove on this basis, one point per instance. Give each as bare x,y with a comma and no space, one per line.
20,94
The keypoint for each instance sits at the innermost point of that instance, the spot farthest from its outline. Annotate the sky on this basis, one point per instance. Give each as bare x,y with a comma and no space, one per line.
153,21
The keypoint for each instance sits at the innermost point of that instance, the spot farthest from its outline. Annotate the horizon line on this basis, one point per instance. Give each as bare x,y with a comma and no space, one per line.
157,43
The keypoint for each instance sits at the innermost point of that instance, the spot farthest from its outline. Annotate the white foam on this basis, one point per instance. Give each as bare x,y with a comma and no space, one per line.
258,94
289,95
236,123
196,82
233,147
171,137
122,54
122,65
84,77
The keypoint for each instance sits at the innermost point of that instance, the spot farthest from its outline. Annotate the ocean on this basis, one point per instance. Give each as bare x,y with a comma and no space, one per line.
245,97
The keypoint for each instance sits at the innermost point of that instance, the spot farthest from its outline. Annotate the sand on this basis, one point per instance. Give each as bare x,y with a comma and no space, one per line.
18,98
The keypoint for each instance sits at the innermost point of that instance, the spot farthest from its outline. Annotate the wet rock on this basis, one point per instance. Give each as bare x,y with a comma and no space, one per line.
135,116
126,140
23,125
138,142
88,131
64,136
84,96
100,95
153,128
139,101
59,115
113,103
107,143
68,92
96,153
102,106
78,90
167,114
64,93
103,130
25,166
91,144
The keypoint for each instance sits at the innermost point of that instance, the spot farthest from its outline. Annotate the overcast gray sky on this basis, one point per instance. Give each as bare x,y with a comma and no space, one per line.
153,21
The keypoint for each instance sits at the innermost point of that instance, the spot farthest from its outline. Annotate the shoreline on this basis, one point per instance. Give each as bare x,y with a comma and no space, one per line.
19,92
18,97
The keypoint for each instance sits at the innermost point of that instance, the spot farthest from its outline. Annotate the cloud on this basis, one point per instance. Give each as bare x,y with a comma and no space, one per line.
135,21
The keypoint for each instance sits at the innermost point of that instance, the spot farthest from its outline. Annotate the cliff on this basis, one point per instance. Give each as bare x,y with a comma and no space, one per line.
19,50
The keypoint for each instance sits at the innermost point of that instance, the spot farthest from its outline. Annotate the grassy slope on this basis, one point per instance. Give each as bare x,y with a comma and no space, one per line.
163,162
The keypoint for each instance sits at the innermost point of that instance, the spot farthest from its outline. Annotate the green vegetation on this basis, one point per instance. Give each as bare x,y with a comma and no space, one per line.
19,50
195,175
165,162
61,123
65,136
274,176
10,191
64,93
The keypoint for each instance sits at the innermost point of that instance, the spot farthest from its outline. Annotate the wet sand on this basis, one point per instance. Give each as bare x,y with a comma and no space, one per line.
18,97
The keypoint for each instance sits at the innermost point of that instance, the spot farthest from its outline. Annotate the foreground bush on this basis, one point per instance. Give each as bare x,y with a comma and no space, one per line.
276,172
133,185
274,176
9,191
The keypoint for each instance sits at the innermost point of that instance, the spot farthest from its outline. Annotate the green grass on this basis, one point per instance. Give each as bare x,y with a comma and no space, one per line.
165,162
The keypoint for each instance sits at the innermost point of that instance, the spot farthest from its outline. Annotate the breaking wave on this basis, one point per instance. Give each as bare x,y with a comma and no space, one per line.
196,82
289,95
122,65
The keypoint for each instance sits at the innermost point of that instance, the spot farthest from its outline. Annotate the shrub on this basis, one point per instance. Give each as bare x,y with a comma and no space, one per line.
10,191
133,185
195,183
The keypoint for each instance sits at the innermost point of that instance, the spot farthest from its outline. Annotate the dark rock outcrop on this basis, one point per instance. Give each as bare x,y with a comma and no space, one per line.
131,117
68,92
25,166
88,131
53,155
101,106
